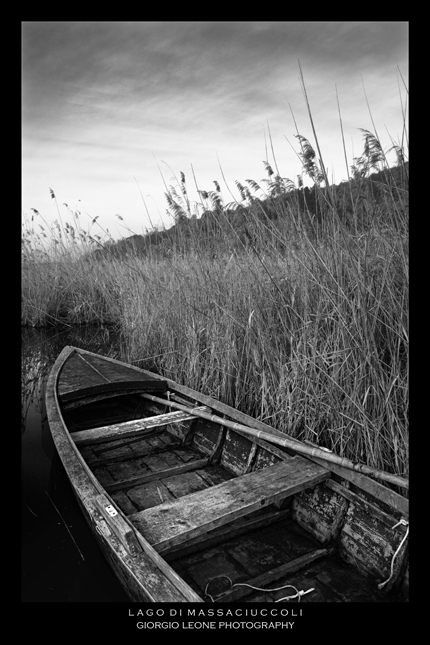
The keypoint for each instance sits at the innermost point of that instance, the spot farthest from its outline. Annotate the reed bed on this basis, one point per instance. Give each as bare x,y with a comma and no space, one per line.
300,321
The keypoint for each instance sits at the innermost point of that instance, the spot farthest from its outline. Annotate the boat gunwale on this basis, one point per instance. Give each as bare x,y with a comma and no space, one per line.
59,429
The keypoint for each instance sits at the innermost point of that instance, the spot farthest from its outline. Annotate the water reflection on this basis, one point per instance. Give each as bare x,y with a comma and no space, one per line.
60,558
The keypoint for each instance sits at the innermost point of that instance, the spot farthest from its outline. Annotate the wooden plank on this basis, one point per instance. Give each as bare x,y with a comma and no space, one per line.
156,434
251,458
369,542
143,479
125,470
140,449
158,461
375,489
215,475
185,484
124,503
321,512
149,494
115,521
268,455
234,594
86,374
119,453
129,428
175,522
208,437
353,497
75,404
242,526
237,451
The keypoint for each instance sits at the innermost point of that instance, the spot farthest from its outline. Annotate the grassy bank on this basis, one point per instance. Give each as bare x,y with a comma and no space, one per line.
298,318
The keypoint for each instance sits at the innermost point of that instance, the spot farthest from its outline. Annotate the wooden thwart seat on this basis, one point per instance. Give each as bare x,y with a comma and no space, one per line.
174,522
130,428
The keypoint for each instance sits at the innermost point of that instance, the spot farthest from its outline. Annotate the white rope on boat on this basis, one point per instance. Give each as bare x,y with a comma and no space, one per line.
405,523
298,593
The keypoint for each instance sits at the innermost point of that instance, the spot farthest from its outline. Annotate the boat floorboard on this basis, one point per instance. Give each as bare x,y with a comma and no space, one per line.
266,551
143,473
265,548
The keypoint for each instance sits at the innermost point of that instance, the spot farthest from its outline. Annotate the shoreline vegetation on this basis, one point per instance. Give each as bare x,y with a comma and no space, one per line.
288,303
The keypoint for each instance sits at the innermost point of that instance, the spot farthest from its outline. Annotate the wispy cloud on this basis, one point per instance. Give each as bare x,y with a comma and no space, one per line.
101,100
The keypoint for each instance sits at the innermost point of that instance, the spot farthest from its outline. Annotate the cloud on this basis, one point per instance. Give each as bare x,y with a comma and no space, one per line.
103,99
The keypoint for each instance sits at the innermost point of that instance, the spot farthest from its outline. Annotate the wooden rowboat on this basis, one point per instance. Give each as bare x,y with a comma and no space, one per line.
193,501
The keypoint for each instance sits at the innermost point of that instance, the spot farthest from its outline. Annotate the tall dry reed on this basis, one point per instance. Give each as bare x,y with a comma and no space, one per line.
299,318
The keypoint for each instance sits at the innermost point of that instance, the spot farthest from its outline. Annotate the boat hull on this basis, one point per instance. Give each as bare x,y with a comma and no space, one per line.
189,504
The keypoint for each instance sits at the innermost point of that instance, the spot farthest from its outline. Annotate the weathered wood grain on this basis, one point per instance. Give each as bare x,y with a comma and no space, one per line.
86,374
237,450
374,489
370,543
208,437
115,521
164,474
234,594
185,484
150,494
129,428
321,512
242,526
174,522
146,577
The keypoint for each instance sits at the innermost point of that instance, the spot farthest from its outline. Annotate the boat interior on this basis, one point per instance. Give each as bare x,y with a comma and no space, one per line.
237,518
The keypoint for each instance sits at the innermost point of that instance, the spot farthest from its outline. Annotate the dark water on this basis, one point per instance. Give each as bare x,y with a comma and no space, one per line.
61,562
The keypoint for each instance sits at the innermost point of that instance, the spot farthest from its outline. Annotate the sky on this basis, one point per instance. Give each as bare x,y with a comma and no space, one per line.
112,110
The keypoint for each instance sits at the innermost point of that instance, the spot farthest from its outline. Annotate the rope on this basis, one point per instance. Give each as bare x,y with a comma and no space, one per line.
298,593
405,523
